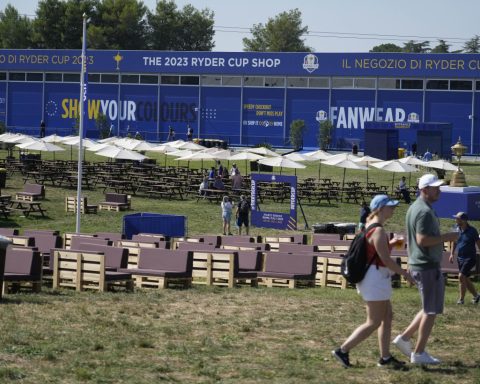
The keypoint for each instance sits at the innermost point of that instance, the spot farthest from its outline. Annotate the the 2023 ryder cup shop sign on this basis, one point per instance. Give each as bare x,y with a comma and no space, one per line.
275,220
247,63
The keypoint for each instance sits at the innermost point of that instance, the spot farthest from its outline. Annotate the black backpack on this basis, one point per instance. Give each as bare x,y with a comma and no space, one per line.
354,266
243,207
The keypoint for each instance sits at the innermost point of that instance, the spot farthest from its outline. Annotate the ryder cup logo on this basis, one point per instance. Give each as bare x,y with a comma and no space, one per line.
321,116
310,63
413,117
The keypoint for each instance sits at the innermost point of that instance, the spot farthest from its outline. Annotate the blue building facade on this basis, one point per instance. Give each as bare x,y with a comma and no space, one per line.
244,98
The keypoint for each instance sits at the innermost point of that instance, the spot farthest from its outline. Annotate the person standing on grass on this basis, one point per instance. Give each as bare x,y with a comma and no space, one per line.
466,253
364,212
227,208
425,251
243,209
376,287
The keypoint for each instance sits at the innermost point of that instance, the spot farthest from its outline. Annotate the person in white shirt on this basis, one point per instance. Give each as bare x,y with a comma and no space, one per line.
227,208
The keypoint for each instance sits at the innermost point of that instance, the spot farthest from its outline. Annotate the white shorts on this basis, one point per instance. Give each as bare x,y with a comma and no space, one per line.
376,285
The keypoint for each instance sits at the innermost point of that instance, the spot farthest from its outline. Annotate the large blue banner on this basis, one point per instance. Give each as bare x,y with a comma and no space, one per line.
248,63
275,220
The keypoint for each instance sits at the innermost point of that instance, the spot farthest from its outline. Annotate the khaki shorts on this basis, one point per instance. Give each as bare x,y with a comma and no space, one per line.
431,286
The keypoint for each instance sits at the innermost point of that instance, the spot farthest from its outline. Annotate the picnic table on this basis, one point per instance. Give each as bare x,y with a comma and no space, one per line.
212,195
27,207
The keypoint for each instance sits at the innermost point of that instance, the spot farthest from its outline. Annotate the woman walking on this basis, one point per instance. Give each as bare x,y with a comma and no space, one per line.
227,208
376,287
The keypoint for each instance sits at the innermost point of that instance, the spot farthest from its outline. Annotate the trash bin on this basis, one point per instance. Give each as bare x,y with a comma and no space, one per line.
401,153
3,177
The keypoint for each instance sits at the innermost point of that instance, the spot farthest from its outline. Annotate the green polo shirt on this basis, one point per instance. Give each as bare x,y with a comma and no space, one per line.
421,218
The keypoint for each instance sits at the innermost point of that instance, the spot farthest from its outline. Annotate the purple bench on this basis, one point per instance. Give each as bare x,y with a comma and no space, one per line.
115,257
284,269
161,268
23,267
110,236
31,192
115,202
76,240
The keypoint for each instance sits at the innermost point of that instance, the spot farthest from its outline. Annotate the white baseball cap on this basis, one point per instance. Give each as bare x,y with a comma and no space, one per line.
429,180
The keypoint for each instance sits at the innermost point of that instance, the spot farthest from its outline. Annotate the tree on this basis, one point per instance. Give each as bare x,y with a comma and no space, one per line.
442,47
102,126
325,134
472,45
413,47
188,29
15,30
386,48
121,25
73,21
297,130
281,34
48,28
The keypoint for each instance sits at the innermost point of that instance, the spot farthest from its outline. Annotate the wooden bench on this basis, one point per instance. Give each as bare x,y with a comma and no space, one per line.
86,270
162,268
67,237
23,268
71,205
134,248
288,270
31,192
115,202
220,268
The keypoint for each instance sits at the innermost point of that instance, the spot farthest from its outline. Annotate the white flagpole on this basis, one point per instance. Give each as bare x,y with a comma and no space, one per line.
83,99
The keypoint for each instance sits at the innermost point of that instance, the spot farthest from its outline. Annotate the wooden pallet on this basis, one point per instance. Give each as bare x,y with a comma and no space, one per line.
161,282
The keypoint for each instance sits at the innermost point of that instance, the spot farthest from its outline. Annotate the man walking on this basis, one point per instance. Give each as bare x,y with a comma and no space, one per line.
425,249
466,253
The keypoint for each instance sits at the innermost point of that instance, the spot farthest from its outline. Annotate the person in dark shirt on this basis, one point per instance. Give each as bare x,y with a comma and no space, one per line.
364,212
466,253
42,128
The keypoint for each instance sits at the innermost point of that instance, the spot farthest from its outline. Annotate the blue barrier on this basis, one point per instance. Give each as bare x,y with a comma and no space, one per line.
144,222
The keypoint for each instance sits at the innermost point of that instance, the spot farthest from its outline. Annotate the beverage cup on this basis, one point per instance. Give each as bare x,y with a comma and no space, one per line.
400,241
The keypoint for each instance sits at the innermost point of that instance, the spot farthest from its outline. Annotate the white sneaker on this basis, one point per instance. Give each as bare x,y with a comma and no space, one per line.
423,358
405,346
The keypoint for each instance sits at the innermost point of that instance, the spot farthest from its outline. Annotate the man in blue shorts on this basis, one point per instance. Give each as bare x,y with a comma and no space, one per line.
425,252
466,253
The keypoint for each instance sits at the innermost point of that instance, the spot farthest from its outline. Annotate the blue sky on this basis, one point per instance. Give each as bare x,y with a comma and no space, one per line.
351,25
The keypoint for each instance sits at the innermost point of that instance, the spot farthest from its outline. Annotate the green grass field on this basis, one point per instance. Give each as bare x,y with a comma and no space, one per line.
213,335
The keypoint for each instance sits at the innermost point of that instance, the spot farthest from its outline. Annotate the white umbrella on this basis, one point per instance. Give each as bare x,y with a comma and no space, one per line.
222,154
99,146
281,162
40,145
262,151
18,139
54,138
109,139
197,156
179,153
441,164
6,135
367,160
175,143
247,156
319,155
344,162
75,142
412,160
394,166
142,146
295,156
190,146
121,153
164,148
